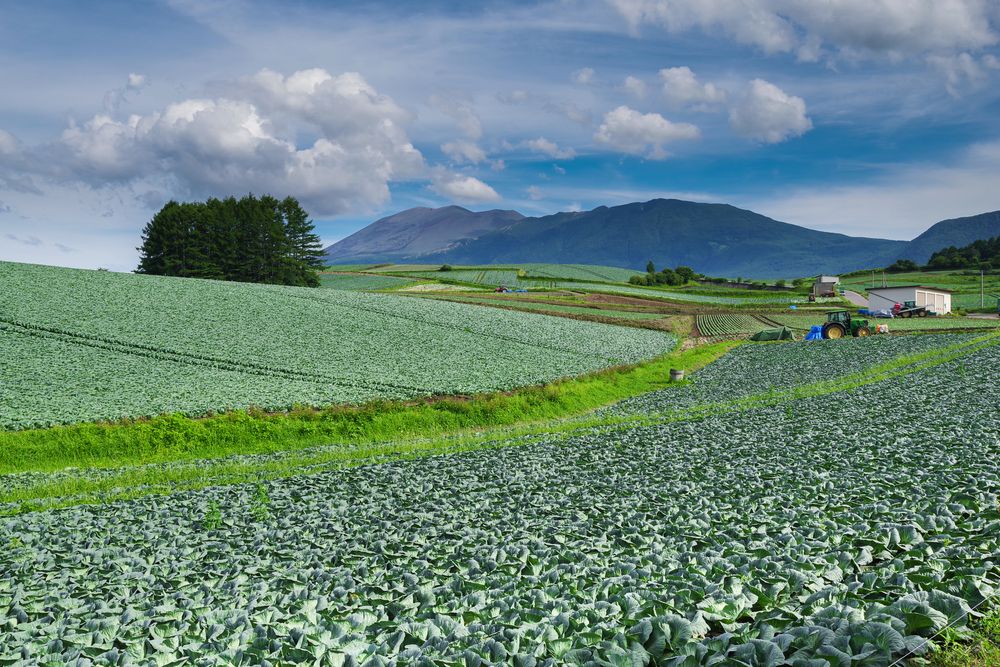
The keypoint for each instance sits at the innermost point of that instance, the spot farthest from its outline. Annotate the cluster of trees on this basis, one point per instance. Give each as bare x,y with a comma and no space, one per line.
251,239
678,276
981,255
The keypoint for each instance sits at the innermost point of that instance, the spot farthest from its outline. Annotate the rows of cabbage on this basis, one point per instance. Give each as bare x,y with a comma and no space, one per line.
542,307
491,277
637,545
728,324
265,346
363,282
759,369
579,272
677,295
804,322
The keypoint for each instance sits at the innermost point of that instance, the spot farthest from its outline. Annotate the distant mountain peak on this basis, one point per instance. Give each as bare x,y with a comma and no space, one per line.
713,238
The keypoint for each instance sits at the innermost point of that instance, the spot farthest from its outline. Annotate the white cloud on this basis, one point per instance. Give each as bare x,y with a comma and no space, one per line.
768,114
900,204
461,111
583,75
634,86
851,28
462,152
534,193
635,133
230,144
550,148
465,189
963,70
135,81
681,88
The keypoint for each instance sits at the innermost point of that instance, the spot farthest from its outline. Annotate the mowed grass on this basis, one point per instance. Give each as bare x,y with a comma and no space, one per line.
178,438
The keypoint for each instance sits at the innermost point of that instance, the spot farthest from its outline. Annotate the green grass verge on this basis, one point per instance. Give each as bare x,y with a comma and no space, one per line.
979,648
177,438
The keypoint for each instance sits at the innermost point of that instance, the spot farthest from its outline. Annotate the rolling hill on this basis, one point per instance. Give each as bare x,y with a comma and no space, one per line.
716,239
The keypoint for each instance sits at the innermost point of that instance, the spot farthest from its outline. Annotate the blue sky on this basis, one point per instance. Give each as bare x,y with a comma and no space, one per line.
867,117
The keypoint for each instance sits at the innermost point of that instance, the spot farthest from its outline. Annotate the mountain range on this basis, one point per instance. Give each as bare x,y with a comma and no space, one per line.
715,239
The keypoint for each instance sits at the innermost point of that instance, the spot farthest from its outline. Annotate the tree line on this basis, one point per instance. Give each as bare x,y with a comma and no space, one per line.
982,255
678,276
250,239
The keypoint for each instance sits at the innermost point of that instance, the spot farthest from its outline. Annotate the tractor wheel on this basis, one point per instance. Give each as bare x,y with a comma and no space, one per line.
833,330
863,331
907,314
923,313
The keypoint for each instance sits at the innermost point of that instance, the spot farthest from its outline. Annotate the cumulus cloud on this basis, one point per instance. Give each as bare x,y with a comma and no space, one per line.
461,188
534,193
768,114
635,133
852,28
583,75
232,144
634,86
461,152
681,88
549,148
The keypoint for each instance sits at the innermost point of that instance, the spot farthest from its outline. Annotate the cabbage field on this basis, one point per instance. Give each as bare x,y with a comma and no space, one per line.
786,534
85,345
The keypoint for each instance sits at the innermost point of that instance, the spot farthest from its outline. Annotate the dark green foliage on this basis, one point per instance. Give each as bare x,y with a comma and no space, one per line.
678,276
445,267
251,239
650,267
902,266
981,255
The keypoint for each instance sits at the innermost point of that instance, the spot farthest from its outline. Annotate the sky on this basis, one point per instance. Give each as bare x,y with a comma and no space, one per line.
866,117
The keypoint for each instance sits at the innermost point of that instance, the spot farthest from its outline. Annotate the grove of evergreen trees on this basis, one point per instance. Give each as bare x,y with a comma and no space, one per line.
251,239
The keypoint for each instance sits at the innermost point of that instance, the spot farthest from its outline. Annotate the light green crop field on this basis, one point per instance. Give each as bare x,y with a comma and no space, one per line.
362,282
749,517
559,308
86,345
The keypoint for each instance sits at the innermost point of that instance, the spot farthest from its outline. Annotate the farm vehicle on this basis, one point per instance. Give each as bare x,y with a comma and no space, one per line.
910,309
840,323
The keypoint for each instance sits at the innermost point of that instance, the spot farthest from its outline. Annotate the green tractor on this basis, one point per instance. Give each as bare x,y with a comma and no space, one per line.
839,323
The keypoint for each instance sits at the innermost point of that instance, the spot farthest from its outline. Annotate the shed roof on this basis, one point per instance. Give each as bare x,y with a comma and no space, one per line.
923,287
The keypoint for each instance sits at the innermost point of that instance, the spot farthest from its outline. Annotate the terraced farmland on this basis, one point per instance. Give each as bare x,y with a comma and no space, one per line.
734,538
729,324
579,272
192,346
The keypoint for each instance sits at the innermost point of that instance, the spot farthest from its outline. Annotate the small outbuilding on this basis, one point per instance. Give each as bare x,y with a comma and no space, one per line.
935,299
826,285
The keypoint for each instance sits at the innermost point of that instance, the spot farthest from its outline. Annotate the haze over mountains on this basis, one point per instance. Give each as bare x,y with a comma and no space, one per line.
715,239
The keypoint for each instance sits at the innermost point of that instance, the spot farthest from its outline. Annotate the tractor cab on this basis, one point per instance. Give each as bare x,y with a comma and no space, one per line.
840,323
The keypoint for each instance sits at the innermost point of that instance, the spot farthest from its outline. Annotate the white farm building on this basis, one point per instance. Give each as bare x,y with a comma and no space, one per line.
884,298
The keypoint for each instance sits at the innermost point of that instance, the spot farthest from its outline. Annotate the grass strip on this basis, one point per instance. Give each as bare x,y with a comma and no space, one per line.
131,482
177,438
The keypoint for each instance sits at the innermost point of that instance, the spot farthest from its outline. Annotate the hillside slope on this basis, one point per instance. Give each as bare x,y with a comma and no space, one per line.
958,232
715,239
93,345
418,231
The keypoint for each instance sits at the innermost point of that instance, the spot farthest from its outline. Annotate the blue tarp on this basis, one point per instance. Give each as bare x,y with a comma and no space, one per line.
815,332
